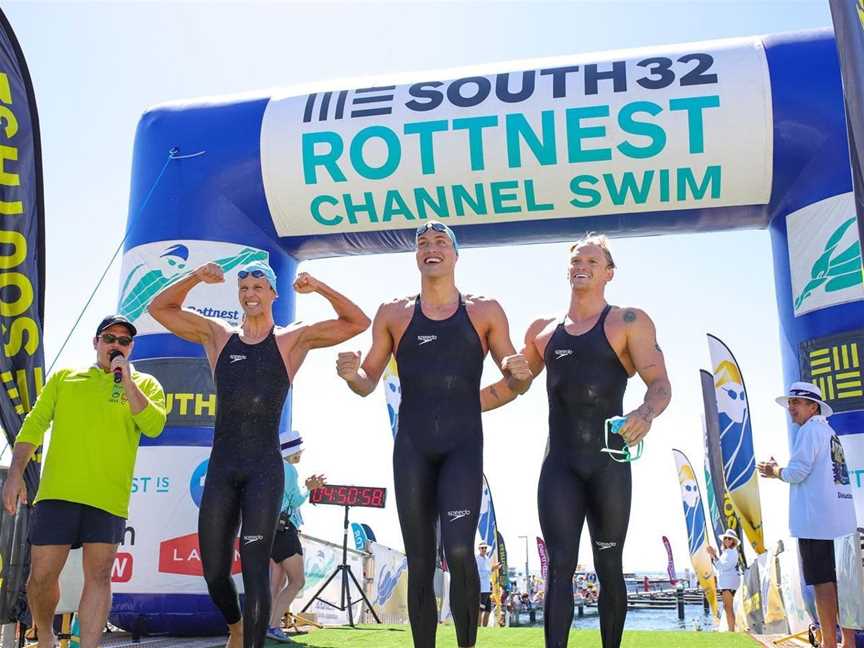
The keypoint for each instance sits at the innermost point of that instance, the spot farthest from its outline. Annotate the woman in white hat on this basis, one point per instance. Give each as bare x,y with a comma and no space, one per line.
286,567
728,574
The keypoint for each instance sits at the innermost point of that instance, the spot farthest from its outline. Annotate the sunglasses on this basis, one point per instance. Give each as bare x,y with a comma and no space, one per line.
251,273
110,338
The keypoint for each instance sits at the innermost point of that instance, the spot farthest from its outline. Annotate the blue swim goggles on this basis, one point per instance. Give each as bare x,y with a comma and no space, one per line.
625,455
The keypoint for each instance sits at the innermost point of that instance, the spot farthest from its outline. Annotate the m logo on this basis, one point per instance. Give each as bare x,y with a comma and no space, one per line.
562,353
423,339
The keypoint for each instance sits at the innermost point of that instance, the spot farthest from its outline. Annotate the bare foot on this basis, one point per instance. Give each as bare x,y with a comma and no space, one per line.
47,642
235,638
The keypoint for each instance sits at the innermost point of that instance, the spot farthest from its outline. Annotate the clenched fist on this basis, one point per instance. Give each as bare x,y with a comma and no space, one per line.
210,273
517,366
306,283
347,365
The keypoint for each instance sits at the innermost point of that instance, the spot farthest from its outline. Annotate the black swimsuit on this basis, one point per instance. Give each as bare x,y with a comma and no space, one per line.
438,466
244,480
585,384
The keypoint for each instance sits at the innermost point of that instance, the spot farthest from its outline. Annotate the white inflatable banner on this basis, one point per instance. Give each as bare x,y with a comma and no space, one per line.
631,131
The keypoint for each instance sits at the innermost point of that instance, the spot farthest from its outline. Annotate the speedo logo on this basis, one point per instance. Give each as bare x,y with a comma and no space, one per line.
602,546
251,538
236,358
456,515
562,353
423,339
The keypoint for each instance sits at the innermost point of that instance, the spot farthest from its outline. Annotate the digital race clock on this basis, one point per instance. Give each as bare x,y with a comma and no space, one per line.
369,496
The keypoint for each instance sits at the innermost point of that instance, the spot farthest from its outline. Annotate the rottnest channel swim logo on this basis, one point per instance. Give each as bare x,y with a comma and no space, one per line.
158,267
838,266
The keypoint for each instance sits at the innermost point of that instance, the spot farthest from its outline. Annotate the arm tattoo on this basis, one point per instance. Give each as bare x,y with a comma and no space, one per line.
629,316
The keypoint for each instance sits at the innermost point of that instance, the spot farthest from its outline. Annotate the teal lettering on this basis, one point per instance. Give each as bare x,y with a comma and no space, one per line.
313,159
395,205
351,210
315,208
391,161
425,131
645,129
576,133
499,197
519,130
477,201
422,198
475,126
531,200
694,107
592,196
686,180
629,186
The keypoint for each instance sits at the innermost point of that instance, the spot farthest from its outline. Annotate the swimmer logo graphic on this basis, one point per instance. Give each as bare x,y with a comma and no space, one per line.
149,268
736,441
825,254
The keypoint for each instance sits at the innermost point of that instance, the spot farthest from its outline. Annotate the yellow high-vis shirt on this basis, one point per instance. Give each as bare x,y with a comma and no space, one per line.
94,438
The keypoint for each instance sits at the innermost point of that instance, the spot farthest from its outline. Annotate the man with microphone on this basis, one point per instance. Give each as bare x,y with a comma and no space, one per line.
98,415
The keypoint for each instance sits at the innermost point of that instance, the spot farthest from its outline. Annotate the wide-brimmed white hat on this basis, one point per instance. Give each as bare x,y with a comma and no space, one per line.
731,534
808,391
290,443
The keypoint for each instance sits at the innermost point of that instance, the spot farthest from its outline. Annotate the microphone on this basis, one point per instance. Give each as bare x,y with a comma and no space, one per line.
118,373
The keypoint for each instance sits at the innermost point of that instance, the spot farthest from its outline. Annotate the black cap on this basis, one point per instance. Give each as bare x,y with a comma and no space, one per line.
111,320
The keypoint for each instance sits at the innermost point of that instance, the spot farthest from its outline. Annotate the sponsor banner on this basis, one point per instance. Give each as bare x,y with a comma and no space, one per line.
190,393
697,531
159,551
681,127
22,286
792,588
853,450
836,364
824,254
320,560
360,538
487,526
736,441
389,593
670,562
392,394
850,580
544,559
149,268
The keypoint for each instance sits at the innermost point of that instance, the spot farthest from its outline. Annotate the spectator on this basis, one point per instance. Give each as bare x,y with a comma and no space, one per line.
98,416
728,575
287,576
820,500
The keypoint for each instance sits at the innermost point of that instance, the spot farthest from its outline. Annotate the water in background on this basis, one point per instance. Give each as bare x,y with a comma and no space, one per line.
694,619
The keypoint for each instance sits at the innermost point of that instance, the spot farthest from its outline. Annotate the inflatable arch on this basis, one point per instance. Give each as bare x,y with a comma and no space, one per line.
701,137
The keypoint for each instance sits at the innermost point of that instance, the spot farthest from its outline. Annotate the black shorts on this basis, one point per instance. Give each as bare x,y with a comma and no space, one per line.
58,522
286,543
817,561
485,601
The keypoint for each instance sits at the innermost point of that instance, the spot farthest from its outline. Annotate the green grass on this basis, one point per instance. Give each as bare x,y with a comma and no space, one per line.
397,636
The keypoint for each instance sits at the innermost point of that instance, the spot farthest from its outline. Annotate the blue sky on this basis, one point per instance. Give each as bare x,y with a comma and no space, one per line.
97,66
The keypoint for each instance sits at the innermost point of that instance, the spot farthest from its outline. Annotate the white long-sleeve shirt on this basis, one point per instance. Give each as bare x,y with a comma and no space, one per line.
820,499
726,565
